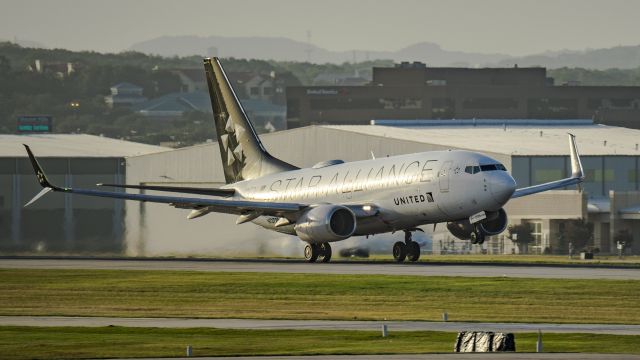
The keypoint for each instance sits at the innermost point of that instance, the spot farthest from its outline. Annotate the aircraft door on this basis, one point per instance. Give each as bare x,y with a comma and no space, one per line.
444,175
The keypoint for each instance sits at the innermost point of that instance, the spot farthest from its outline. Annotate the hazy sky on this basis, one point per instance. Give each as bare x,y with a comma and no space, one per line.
504,26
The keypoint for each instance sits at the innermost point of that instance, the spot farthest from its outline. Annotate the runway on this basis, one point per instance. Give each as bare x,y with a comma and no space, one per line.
459,356
293,266
316,324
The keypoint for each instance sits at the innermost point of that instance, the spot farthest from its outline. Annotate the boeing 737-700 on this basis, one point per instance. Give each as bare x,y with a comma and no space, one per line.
334,200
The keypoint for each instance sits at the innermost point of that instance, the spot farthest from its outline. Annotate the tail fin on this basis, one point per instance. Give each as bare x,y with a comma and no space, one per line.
243,155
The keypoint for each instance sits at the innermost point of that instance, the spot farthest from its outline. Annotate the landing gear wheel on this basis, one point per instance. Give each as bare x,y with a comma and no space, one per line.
325,252
399,251
413,251
473,237
311,252
477,237
481,238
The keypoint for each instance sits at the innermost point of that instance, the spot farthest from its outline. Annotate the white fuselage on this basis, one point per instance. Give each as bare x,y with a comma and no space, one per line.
409,190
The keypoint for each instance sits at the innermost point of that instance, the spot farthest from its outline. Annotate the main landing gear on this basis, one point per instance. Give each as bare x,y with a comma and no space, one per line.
409,250
321,251
477,236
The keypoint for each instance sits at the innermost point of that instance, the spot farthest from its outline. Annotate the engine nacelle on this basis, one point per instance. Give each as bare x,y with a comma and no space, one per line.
494,224
326,223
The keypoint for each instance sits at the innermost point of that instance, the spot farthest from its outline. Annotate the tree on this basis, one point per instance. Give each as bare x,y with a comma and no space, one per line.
579,233
5,65
522,235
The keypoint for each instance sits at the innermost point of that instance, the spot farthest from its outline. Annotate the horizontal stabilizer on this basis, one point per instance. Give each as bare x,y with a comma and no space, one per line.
177,189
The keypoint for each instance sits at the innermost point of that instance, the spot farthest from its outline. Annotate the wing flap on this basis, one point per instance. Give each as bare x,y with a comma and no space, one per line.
214,205
177,189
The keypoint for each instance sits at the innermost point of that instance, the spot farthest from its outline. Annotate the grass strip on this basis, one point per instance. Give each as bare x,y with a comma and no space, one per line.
109,342
598,261
131,293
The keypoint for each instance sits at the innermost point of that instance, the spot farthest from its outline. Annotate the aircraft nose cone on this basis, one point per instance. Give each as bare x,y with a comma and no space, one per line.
502,187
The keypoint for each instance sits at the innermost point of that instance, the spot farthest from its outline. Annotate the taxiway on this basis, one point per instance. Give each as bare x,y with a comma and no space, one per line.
293,266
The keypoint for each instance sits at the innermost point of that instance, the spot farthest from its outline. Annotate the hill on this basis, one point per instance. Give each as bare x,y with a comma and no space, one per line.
619,57
283,49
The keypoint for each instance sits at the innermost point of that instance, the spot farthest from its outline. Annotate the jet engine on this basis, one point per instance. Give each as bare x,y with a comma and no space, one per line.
494,224
326,223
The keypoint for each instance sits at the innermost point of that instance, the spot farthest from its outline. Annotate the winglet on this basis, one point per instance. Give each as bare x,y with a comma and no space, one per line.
576,165
42,193
42,178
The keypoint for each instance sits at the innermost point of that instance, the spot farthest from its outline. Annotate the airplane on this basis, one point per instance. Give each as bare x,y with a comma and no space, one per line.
334,200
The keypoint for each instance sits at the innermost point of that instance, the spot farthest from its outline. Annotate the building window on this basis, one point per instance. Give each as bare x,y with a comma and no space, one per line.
552,108
596,175
443,107
611,103
595,103
436,82
345,104
541,176
490,103
622,103
609,175
254,90
536,233
407,103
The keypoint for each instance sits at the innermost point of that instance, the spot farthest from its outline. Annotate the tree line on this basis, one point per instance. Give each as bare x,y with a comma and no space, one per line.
24,91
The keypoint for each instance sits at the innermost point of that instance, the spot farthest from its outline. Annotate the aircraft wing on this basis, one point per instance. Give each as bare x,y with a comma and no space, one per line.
177,189
577,175
238,207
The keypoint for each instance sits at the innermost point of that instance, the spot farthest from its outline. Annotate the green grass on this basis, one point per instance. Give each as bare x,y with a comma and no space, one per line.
312,296
599,260
109,342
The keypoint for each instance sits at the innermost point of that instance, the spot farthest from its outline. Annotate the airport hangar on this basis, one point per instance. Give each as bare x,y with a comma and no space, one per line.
535,151
61,222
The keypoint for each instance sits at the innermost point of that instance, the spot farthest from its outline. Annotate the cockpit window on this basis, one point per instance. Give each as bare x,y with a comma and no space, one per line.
493,167
472,169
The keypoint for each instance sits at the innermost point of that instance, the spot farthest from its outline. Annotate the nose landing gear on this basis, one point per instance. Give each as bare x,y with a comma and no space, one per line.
409,250
313,252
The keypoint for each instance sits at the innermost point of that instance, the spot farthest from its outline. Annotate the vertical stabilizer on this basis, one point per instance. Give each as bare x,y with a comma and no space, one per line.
243,155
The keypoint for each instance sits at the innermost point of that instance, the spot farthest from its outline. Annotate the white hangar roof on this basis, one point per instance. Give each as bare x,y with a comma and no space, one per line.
513,140
72,145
